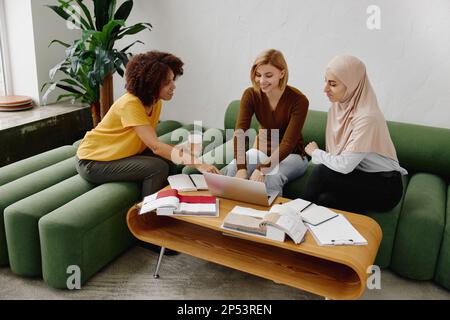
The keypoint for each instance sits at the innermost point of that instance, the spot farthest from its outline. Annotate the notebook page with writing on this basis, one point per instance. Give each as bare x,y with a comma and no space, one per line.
337,231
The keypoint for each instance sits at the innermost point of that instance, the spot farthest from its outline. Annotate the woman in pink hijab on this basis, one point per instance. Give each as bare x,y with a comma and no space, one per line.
359,170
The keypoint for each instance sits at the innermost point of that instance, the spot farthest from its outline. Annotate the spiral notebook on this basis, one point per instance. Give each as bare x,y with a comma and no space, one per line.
336,231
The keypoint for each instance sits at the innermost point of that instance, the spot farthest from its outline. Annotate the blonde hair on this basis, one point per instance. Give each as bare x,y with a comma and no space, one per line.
274,58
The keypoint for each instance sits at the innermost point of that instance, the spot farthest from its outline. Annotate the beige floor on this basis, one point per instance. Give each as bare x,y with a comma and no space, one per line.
185,277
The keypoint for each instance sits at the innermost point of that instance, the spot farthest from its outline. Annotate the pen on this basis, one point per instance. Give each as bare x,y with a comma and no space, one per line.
342,242
306,207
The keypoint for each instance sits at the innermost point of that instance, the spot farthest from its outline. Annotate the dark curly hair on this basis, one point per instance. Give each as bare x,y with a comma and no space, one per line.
147,72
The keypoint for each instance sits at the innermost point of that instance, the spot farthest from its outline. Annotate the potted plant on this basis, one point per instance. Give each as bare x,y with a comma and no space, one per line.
90,61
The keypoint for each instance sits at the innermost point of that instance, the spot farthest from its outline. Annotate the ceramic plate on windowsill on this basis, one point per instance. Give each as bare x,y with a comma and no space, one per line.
12,101
18,108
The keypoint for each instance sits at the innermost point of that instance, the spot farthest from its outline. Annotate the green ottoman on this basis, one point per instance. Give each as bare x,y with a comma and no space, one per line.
443,266
420,228
21,168
26,186
21,223
88,232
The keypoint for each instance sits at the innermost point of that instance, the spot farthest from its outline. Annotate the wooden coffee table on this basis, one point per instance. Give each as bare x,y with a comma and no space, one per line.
338,272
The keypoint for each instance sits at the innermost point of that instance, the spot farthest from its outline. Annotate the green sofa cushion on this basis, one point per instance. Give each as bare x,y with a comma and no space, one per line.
420,228
179,135
231,116
437,140
443,266
87,232
167,126
314,128
21,168
26,186
21,223
294,189
433,159
387,220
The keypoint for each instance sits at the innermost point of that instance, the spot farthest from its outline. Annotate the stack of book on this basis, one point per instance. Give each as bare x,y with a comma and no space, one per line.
15,103
171,203
273,224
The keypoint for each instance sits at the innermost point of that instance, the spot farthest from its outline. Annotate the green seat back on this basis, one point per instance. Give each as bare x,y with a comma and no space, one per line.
232,114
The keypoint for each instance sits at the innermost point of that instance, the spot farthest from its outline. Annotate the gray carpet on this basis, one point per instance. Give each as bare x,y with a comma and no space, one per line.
184,277
131,277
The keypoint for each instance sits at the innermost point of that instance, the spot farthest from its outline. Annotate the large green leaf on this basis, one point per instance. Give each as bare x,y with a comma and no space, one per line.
67,95
87,13
60,42
55,69
68,88
72,82
129,46
106,37
92,57
124,10
111,9
51,87
75,16
102,9
104,63
60,12
138,27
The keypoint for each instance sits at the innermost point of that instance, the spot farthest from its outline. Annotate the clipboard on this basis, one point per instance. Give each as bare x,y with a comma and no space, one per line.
336,232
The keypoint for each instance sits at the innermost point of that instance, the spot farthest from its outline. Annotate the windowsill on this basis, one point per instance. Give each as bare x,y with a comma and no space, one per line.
9,119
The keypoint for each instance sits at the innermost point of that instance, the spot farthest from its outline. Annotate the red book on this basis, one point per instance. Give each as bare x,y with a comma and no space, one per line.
170,202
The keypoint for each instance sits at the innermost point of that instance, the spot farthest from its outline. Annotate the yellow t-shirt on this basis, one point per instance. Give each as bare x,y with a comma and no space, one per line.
114,137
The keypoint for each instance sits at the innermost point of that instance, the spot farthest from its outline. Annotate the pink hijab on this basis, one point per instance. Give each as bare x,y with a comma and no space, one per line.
356,124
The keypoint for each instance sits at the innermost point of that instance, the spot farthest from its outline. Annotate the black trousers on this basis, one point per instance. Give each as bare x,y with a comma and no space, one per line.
147,167
357,191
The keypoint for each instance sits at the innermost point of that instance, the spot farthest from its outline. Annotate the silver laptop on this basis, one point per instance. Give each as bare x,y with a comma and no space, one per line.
239,189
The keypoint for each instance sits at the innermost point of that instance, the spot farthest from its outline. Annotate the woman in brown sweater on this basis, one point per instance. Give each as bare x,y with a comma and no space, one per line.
278,155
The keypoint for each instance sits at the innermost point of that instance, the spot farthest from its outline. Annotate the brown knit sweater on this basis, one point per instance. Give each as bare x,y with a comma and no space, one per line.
288,116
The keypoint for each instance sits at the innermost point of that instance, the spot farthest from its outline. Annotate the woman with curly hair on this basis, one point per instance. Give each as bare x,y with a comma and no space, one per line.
124,145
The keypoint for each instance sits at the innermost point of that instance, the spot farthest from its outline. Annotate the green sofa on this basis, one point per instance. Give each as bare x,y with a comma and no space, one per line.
51,218
416,233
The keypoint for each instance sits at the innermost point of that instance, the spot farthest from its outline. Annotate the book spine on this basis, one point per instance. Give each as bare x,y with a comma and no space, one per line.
198,199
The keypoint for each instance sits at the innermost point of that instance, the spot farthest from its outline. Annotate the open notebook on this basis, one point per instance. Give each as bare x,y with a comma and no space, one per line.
187,182
337,231
310,212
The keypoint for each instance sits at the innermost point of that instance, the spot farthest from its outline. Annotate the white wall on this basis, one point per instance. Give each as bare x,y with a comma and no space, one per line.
22,63
30,27
47,26
408,60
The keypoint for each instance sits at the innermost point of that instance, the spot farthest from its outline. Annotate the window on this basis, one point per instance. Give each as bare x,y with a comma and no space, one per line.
2,51
2,74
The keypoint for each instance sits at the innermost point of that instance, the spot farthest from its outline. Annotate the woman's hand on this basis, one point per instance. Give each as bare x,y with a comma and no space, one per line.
257,176
309,149
242,174
204,167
